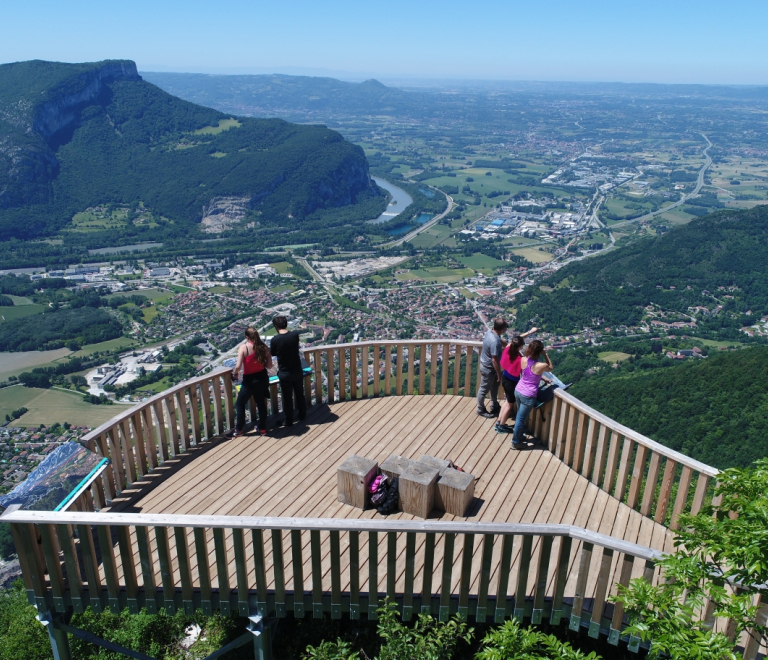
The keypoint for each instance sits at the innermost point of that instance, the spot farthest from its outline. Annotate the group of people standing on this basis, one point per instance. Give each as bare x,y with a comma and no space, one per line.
254,358
519,374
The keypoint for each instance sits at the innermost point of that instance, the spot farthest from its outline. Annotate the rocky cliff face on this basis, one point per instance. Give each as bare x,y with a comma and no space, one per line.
345,183
60,112
27,160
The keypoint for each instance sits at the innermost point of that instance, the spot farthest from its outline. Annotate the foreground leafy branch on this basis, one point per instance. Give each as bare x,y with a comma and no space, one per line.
719,570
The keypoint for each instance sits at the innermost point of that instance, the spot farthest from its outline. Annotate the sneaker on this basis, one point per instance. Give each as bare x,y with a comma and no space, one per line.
518,446
263,431
502,428
485,413
233,433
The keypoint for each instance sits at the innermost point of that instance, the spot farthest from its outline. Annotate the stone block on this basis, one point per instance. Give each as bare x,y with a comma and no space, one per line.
456,491
353,476
417,489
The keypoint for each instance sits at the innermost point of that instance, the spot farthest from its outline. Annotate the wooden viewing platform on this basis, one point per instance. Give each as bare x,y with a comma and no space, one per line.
184,518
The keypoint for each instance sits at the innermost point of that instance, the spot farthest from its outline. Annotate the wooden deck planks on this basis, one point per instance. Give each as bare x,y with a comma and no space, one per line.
294,475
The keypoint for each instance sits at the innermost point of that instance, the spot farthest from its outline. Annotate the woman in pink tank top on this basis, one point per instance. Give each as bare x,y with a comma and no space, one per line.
528,387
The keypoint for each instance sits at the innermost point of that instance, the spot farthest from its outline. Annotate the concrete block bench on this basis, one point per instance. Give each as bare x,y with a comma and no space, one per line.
353,476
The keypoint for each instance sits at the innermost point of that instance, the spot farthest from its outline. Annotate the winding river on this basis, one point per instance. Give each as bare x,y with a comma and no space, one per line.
400,201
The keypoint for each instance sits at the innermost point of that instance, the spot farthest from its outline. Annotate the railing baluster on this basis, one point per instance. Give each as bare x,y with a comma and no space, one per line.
162,444
353,373
613,462
700,494
502,585
391,565
330,360
580,442
682,496
638,473
147,568
600,455
317,574
485,578
139,443
376,370
429,567
241,571
649,491
318,377
589,450
522,577
561,578
194,413
466,575
278,569
354,575
185,568
542,572
128,457
666,491
444,374
445,586
335,574
115,454
90,561
373,573
614,633
601,591
570,434
342,353
581,585
109,566
624,467
181,417
399,370
205,404
364,371
388,370
222,571
203,570
422,365
553,424
51,552
297,562
564,422
433,368
411,367
260,570
129,568
456,369
166,572
149,437
170,404
217,407
468,372
410,567
74,579
32,563
229,398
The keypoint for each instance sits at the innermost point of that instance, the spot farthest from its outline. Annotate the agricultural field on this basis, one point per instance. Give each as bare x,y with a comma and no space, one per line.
220,289
281,267
99,219
12,364
483,263
612,357
54,405
118,344
224,124
534,255
20,311
437,274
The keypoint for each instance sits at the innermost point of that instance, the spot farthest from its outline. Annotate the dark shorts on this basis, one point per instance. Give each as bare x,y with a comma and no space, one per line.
509,385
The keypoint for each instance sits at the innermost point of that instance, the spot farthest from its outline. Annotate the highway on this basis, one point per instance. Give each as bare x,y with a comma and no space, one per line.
425,226
683,198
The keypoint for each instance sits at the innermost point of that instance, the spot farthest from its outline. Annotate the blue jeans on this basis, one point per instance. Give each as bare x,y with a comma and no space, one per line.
524,406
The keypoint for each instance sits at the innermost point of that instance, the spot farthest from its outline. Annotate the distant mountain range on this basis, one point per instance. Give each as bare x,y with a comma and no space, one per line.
79,136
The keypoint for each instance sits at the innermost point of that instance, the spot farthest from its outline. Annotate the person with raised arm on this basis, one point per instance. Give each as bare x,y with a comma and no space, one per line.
254,358
528,387
510,375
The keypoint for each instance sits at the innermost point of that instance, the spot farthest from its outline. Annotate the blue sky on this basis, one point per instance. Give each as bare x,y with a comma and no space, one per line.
676,41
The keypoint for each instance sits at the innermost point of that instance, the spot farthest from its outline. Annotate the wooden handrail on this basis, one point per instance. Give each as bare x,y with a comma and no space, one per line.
328,524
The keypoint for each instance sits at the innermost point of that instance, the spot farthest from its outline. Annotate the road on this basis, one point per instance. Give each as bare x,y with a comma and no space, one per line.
683,198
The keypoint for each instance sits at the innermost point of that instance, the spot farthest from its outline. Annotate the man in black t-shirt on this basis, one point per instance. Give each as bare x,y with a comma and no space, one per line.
285,347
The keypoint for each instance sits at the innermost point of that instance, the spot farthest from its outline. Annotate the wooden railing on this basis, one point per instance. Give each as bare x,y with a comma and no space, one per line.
142,438
642,473
116,560
277,565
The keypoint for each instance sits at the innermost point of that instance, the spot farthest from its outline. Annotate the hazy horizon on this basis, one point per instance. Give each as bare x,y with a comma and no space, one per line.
593,41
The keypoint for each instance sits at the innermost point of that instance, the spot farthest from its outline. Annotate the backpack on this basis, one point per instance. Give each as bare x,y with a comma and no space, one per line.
389,502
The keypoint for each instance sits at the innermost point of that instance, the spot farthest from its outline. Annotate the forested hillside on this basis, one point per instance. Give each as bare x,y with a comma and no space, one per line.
683,268
74,137
714,409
